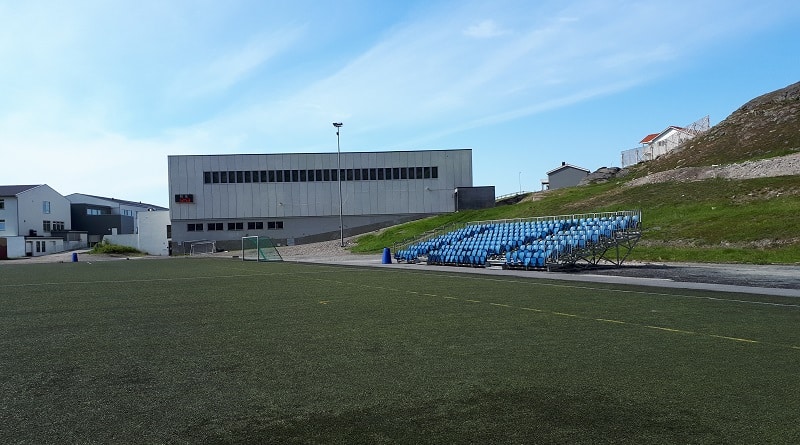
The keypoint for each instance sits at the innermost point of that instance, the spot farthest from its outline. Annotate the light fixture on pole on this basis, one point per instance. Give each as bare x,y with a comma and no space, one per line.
338,125
520,183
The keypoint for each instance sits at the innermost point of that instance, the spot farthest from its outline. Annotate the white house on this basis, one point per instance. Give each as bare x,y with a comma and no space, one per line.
33,221
656,144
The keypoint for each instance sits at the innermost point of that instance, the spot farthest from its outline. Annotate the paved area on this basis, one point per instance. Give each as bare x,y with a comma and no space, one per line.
777,280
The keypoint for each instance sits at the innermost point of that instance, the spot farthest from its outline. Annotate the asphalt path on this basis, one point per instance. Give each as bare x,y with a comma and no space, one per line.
776,280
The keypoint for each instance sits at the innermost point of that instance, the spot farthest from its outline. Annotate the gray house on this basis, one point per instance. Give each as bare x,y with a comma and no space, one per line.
567,175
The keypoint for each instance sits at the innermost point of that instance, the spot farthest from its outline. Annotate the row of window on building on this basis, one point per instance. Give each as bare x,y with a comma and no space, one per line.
47,226
238,226
320,175
54,226
106,211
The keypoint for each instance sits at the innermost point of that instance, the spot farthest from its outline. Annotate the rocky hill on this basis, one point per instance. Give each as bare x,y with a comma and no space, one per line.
765,127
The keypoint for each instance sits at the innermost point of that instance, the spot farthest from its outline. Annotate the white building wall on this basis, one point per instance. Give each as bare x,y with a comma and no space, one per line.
31,210
15,246
10,215
152,234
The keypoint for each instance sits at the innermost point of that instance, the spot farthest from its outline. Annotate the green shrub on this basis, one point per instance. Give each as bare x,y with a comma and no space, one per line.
108,248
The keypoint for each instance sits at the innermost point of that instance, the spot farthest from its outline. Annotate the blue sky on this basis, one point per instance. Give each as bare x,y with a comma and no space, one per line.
96,94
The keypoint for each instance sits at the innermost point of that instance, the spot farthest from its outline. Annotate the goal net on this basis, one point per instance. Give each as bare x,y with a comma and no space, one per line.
202,247
259,248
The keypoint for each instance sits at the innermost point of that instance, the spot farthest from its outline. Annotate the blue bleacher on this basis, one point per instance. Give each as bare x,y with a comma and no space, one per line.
518,244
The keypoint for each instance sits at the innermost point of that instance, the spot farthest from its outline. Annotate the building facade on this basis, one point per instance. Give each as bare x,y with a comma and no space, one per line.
295,198
100,216
33,221
566,175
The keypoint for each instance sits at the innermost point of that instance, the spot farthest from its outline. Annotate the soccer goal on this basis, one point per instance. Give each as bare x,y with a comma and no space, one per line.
259,248
202,247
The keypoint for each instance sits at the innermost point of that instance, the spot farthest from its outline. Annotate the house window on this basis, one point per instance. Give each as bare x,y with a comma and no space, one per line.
207,177
235,226
274,225
194,227
2,204
45,206
58,226
214,226
2,225
46,226
255,225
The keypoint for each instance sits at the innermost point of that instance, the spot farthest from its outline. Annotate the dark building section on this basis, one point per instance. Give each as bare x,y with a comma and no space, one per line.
473,198
98,221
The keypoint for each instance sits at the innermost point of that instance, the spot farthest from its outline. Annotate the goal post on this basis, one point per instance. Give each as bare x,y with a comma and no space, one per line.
202,247
259,248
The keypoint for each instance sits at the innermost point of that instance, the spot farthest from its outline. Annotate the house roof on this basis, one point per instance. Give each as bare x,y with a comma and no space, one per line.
649,138
14,190
143,205
565,166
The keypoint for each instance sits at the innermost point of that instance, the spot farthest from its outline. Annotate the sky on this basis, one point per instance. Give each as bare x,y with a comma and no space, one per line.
94,95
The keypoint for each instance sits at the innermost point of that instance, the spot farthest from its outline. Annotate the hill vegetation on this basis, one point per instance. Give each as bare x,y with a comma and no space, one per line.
750,220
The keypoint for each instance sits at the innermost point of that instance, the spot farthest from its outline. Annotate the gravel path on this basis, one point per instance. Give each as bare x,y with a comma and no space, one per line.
781,166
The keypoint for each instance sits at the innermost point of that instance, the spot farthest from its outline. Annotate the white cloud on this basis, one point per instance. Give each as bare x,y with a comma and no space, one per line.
485,29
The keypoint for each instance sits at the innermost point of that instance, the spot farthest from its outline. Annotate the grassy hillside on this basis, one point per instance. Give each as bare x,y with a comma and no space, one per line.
749,221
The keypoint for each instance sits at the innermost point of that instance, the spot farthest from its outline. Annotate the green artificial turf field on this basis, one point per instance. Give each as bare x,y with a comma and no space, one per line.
220,351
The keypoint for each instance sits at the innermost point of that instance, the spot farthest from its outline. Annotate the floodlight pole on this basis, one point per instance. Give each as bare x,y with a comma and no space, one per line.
520,183
338,125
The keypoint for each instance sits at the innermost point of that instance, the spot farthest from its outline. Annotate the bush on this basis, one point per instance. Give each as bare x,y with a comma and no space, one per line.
108,248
